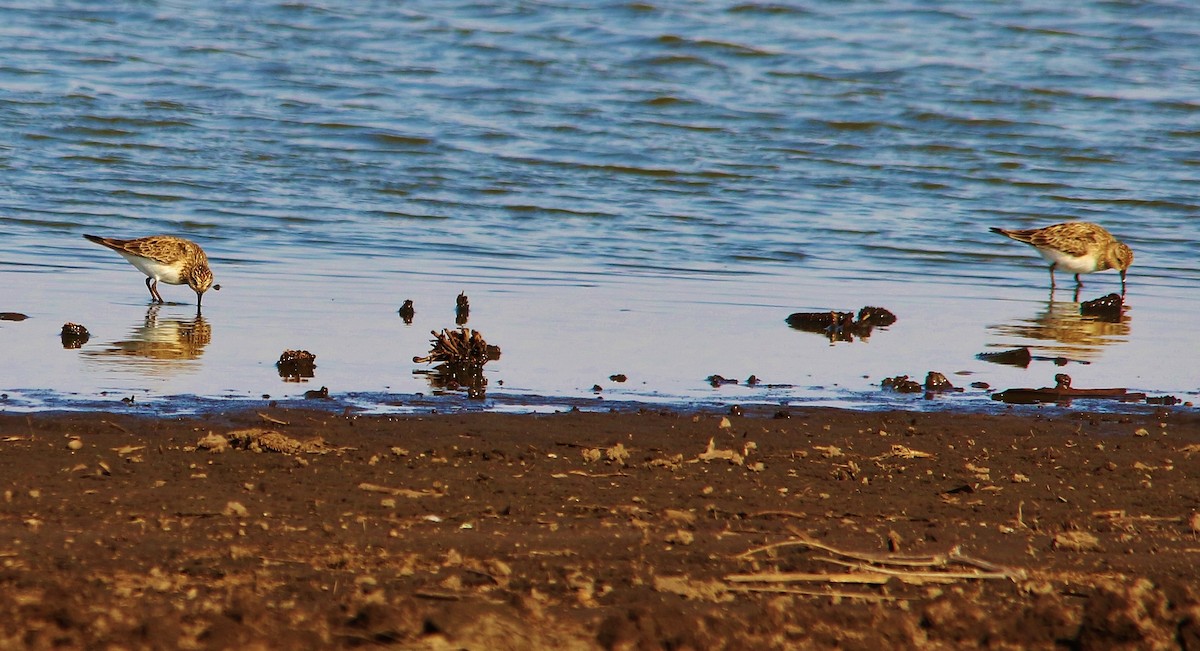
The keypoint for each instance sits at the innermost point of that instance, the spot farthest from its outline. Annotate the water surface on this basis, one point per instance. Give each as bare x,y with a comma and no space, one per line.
641,188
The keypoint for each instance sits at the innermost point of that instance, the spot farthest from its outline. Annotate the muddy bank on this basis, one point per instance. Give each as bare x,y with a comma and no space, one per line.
299,529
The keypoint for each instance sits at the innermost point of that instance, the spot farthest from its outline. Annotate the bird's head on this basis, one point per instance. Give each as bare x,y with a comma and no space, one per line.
200,279
1120,257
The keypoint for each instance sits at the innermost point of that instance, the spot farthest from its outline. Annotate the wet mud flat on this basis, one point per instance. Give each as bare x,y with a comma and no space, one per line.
303,529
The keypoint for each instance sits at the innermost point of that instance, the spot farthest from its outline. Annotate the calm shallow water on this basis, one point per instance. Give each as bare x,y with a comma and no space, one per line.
636,188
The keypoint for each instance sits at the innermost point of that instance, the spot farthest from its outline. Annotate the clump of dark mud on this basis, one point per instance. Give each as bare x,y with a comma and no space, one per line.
407,312
1106,308
296,365
902,384
935,383
317,394
462,309
74,335
1019,357
715,380
842,326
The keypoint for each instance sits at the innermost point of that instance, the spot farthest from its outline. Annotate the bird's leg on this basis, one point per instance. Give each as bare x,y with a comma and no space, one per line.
152,285
1052,275
1076,296
148,279
1122,284
1078,282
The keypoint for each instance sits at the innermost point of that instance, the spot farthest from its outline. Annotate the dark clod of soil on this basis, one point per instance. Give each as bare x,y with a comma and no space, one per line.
842,326
876,316
407,312
462,309
317,394
618,377
74,335
12,316
902,384
719,380
1106,308
296,364
938,383
1019,357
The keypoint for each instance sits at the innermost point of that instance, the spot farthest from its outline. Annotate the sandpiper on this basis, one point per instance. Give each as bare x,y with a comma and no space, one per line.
1076,247
171,259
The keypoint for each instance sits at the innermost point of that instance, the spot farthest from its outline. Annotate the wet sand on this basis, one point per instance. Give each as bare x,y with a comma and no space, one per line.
307,529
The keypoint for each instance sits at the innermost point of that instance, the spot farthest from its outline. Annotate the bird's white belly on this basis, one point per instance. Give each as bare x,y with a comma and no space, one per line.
154,269
1075,264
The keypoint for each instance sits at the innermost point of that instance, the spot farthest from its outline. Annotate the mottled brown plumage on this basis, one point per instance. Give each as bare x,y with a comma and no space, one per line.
173,260
1076,247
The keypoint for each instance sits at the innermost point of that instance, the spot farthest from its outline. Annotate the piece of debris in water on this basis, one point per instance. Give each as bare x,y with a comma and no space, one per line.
934,383
460,355
317,394
12,316
618,377
718,380
1106,308
1019,357
462,309
902,384
1062,391
294,365
407,312
842,326
937,383
74,335
461,346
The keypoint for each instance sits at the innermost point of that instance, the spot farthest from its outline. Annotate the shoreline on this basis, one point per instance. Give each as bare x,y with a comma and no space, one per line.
593,530
453,402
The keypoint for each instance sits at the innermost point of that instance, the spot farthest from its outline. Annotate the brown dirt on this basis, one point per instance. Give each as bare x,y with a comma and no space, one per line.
600,531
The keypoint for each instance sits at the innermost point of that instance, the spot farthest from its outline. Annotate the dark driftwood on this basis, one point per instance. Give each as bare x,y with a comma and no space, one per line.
463,346
1063,392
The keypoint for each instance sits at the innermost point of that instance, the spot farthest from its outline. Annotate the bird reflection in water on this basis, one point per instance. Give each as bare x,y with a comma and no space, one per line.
160,344
1063,330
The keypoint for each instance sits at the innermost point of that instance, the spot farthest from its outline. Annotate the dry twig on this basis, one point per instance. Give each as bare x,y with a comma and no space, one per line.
868,569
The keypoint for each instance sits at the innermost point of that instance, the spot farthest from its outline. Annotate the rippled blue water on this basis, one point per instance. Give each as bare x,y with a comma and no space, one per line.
645,188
